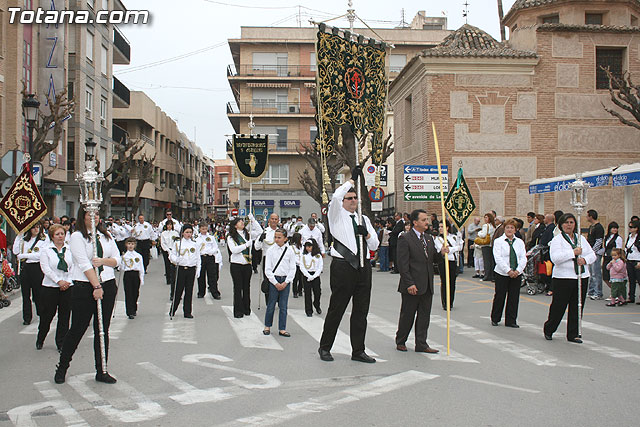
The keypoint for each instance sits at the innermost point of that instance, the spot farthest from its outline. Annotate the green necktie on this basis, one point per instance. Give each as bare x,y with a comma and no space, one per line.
62,264
513,258
100,253
355,231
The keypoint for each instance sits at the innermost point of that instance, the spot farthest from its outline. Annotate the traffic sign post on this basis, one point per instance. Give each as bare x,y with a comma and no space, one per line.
243,212
234,212
421,183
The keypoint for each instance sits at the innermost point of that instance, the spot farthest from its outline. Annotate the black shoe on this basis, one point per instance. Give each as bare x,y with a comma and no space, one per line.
39,345
295,295
131,316
309,314
513,325
200,296
188,316
238,316
61,372
494,323
547,337
325,355
575,340
475,276
217,296
363,357
104,377
319,310
26,322
247,313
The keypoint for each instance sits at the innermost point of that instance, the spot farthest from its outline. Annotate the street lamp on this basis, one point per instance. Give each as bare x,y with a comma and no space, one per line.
579,203
30,106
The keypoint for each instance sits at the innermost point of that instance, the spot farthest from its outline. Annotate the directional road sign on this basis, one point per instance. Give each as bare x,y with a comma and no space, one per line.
422,183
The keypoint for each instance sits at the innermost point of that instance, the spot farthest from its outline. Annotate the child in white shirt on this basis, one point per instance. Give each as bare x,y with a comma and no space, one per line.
133,276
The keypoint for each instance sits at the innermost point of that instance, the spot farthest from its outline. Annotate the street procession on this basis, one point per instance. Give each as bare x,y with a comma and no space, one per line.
393,221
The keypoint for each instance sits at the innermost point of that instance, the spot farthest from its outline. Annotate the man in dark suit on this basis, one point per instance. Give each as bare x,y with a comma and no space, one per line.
393,240
415,257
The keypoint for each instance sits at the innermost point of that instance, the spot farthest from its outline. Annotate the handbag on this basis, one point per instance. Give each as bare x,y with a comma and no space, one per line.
483,241
264,286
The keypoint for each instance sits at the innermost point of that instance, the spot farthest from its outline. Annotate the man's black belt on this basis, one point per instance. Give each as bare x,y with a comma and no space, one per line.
346,253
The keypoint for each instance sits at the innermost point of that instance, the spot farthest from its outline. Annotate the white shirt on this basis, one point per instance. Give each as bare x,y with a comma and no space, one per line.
208,244
82,251
29,251
562,257
487,229
177,225
341,225
118,232
142,231
186,253
320,226
298,253
237,248
632,250
132,261
315,234
49,265
268,241
502,253
454,243
167,238
311,264
287,266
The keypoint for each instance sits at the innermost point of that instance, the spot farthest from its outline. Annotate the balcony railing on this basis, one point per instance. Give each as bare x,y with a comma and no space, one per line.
289,146
263,70
122,92
122,51
266,106
146,139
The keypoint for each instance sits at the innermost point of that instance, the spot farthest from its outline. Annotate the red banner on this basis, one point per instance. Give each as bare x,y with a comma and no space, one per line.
23,205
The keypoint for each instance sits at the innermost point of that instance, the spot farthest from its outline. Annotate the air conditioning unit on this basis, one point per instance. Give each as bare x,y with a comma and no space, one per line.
294,109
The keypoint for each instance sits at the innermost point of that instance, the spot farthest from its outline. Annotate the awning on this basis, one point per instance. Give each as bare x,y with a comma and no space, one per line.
626,175
598,178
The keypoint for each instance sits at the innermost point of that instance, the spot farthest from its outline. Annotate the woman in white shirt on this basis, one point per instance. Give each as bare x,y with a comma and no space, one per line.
510,255
451,253
168,236
88,289
28,248
239,243
311,264
55,295
568,260
488,228
632,247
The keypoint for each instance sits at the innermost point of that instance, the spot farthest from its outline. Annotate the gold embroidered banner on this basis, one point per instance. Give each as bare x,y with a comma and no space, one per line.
23,205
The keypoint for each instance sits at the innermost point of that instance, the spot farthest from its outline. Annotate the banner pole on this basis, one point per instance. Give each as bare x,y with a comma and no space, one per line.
445,243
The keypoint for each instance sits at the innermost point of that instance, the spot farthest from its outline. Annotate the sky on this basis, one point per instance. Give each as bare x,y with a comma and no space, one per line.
182,53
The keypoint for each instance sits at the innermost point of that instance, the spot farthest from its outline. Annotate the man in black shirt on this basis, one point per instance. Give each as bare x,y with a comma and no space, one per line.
595,239
393,240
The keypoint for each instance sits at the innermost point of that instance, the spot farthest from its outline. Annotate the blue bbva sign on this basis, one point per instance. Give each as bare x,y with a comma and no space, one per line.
289,203
565,185
260,203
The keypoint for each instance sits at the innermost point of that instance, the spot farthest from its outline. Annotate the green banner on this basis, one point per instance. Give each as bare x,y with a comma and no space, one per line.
459,203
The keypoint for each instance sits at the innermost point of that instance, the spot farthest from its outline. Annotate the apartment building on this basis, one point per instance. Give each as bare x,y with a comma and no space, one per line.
183,175
273,77
226,187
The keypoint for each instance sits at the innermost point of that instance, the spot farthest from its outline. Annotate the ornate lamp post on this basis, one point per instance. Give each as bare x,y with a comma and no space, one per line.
30,106
90,182
579,202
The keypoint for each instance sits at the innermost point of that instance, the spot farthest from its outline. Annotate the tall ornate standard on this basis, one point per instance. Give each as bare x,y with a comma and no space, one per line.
579,203
90,182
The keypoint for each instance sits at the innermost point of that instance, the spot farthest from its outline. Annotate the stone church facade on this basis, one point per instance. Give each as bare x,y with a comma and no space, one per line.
529,108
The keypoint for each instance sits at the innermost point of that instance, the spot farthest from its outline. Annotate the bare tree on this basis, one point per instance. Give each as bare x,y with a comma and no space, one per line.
625,95
120,167
59,108
145,167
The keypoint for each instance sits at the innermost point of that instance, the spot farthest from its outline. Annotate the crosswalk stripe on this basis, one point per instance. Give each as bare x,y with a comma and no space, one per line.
208,299
7,312
388,329
611,331
606,350
179,330
519,351
119,321
314,325
331,401
249,331
636,323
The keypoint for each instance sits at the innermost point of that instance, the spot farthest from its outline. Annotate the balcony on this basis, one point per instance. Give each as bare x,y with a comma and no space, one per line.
147,140
121,94
121,48
118,134
290,146
267,107
269,71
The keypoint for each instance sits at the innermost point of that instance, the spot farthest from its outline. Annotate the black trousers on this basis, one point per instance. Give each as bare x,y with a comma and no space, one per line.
412,305
565,293
311,287
241,277
54,300
509,289
83,308
30,284
392,256
131,281
121,246
470,262
144,247
489,263
208,273
297,282
453,273
169,268
186,278
347,283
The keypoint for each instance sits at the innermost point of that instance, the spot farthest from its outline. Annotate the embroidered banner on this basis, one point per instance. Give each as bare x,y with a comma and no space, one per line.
23,205
251,155
459,203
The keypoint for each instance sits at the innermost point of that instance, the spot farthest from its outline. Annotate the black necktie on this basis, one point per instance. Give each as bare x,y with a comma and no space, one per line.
355,231
424,244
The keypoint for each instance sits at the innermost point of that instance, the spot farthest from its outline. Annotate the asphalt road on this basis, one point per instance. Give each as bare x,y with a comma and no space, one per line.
216,370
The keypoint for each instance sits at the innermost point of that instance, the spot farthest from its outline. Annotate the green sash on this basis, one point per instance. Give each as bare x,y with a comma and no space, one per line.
578,268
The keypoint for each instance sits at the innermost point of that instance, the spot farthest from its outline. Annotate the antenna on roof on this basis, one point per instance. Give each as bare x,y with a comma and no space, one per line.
403,23
465,12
